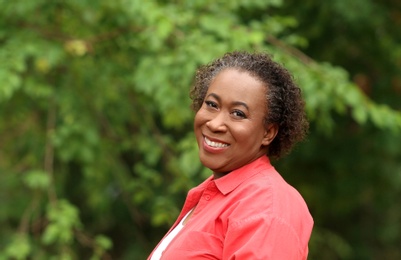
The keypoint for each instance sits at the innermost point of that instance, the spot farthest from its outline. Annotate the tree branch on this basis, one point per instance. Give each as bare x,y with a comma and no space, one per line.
49,150
290,50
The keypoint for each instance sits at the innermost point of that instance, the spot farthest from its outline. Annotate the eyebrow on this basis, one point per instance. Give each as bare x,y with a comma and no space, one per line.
235,103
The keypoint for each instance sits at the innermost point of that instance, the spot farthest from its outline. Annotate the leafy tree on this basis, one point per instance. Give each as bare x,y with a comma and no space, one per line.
359,169
97,150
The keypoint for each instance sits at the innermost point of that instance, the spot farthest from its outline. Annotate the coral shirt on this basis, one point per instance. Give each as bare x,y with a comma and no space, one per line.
250,213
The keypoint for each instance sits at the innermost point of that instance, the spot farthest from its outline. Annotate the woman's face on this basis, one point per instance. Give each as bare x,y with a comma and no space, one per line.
229,126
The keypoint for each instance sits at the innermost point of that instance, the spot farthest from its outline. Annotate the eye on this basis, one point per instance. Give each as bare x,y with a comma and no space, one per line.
211,104
239,114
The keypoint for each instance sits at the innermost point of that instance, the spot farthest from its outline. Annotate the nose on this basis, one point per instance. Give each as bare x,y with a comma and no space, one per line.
217,123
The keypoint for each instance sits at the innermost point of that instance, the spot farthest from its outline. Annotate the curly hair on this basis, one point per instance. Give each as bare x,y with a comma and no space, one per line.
285,105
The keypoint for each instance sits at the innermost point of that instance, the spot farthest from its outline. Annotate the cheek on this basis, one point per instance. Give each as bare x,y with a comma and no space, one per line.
240,135
247,135
200,118
197,122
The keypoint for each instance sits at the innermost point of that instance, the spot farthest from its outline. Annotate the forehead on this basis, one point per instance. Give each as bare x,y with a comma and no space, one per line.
239,85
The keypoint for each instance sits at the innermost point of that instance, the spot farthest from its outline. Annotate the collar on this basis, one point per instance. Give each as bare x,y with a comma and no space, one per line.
232,180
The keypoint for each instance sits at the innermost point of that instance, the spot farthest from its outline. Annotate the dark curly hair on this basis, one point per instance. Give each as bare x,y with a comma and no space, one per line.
285,104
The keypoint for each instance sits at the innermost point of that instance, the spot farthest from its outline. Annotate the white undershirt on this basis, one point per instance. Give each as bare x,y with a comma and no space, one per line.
166,241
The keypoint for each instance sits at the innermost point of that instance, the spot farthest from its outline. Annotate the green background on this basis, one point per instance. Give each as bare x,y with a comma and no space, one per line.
96,144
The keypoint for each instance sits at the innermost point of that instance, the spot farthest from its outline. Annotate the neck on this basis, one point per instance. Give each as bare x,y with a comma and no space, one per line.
217,175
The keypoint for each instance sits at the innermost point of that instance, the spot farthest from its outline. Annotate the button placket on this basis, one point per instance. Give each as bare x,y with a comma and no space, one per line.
209,191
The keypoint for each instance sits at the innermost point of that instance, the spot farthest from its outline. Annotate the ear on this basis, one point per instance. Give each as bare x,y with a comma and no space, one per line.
270,133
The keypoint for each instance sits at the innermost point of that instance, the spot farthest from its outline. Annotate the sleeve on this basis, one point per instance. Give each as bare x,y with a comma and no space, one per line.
260,237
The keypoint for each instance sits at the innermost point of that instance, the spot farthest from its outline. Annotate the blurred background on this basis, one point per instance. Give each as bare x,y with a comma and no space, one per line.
96,144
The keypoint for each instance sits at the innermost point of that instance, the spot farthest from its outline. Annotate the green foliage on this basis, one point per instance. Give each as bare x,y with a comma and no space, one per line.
103,244
63,218
37,179
353,172
19,248
97,151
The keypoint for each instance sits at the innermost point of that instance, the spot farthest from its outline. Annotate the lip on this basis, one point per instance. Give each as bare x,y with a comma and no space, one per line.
212,149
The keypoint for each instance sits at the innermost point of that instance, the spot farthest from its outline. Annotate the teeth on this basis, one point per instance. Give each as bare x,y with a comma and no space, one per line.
215,144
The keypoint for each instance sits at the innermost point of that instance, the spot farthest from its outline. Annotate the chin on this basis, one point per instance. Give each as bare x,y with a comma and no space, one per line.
208,164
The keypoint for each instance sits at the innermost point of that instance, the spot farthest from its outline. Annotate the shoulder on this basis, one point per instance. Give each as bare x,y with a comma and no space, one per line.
269,186
269,205
267,194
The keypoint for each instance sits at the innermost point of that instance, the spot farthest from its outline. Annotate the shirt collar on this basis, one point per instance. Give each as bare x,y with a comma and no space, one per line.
232,180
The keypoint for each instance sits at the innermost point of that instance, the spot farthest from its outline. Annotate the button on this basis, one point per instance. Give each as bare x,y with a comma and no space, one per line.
207,197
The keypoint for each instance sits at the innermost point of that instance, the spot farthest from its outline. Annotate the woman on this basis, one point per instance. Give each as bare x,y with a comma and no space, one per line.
247,110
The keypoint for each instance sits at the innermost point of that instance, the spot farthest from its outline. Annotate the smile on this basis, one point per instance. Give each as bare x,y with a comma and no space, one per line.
215,144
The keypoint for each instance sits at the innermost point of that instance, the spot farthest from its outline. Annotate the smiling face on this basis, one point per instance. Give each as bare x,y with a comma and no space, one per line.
229,126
